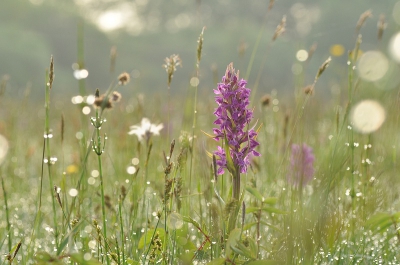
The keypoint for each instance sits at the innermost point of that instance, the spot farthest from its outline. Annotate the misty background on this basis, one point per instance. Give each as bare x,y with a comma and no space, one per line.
144,32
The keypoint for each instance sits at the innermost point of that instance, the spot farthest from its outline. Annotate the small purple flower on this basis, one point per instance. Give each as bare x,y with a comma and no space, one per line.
233,119
301,169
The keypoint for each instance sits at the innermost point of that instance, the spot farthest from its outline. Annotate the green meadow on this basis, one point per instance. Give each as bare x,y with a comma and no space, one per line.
117,176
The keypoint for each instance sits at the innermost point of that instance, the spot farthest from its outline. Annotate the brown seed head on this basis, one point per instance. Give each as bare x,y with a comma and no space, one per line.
280,29
51,73
266,100
200,45
124,78
362,19
170,66
309,90
271,4
116,97
323,67
242,48
102,102
381,26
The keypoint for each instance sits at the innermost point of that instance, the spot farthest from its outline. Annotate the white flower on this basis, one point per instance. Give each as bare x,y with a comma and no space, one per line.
146,129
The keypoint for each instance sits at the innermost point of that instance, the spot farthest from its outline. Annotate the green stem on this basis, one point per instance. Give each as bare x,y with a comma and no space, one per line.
236,197
122,230
7,216
48,135
103,208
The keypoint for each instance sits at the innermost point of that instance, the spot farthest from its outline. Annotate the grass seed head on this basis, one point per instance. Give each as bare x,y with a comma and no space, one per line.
381,26
51,73
170,66
362,19
271,4
116,97
200,45
113,58
309,90
323,67
280,29
102,102
124,79
266,100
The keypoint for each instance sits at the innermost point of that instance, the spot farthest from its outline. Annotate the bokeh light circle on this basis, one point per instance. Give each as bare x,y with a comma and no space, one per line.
302,55
174,221
394,47
3,148
372,66
367,116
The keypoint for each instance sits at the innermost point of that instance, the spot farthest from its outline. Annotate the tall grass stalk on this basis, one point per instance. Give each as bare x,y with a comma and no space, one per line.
98,148
48,135
196,85
9,241
121,223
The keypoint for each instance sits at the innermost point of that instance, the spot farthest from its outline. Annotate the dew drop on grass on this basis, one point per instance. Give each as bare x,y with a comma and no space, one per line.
87,256
194,81
91,181
86,110
79,135
92,244
135,161
73,192
48,135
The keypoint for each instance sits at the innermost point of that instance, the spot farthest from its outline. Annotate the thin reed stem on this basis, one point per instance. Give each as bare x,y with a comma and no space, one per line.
48,135
7,215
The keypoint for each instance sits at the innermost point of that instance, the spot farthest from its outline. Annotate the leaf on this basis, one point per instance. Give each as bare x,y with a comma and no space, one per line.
249,225
146,238
234,236
255,193
270,200
264,262
273,210
78,258
64,242
252,245
229,162
209,135
44,258
245,251
190,220
252,209
381,221
132,262
272,226
218,261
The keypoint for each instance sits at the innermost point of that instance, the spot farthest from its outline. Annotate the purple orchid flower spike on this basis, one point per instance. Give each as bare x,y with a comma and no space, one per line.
301,170
233,119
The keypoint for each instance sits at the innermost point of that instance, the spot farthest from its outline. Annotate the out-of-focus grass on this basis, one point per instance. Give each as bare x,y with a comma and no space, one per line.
347,214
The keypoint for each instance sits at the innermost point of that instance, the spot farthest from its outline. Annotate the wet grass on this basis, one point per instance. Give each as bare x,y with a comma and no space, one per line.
78,189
